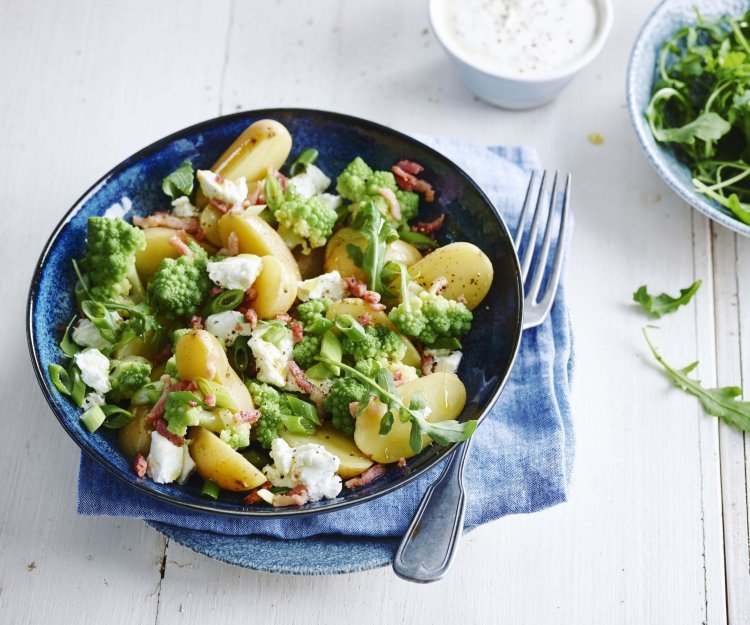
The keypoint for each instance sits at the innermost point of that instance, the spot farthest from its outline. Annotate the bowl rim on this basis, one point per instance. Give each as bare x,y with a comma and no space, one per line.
141,486
606,19
652,149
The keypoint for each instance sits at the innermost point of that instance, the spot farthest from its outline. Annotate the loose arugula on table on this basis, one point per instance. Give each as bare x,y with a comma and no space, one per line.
659,305
719,402
701,105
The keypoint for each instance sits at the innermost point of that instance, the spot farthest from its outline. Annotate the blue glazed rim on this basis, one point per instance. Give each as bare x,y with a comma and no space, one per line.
654,152
206,125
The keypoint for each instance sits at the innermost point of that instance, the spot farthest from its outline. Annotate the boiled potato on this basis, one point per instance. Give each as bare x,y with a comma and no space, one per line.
356,308
468,271
157,248
135,437
257,237
216,460
352,461
198,354
444,393
265,143
337,256
209,220
276,287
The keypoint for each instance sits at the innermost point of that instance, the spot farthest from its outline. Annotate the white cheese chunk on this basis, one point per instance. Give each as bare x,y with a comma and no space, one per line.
329,285
165,459
310,183
216,187
227,326
271,362
445,360
181,207
94,368
235,272
188,466
311,466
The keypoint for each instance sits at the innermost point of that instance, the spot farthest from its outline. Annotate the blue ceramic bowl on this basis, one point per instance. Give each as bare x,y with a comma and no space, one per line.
668,17
489,349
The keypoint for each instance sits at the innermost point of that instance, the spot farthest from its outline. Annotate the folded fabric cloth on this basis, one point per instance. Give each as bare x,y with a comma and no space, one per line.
522,455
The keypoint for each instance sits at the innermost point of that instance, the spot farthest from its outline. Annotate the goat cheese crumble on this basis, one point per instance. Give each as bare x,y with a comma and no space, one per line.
181,207
216,187
444,360
227,326
329,285
310,183
272,361
165,459
311,466
94,368
86,334
235,272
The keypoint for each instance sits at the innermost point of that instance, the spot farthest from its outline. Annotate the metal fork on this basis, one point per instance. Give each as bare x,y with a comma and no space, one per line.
427,550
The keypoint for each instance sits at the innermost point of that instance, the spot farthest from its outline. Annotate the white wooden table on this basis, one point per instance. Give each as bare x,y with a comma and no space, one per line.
656,530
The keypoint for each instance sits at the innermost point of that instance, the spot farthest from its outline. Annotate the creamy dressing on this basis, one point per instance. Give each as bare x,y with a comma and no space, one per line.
520,37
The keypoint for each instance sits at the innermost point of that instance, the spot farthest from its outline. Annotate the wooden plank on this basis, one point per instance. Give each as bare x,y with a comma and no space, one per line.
730,294
86,83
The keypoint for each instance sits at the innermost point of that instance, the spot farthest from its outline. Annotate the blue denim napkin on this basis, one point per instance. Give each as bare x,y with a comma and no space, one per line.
522,456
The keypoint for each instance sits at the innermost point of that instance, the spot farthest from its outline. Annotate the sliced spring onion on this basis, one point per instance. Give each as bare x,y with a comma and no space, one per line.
275,335
297,424
224,398
303,409
351,328
148,394
240,354
116,417
307,157
210,489
101,318
93,418
266,495
320,371
330,347
78,386
279,490
417,239
59,378
68,347
319,326
228,300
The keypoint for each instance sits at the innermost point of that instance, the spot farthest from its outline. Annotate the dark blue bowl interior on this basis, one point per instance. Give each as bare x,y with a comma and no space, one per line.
489,349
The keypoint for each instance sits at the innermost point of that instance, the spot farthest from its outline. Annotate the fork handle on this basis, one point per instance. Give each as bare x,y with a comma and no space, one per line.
427,549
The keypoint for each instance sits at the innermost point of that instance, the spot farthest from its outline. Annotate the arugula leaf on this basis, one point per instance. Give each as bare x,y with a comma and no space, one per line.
179,182
378,233
658,305
719,402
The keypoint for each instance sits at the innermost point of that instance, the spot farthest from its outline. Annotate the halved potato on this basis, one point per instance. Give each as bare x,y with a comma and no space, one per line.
356,308
257,237
198,354
352,461
157,248
468,270
216,460
276,287
135,437
445,395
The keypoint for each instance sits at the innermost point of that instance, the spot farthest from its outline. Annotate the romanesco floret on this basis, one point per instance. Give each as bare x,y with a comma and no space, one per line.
378,342
179,286
269,403
236,436
409,203
306,351
380,180
128,375
428,317
306,222
368,367
351,182
313,309
181,411
170,368
110,258
343,392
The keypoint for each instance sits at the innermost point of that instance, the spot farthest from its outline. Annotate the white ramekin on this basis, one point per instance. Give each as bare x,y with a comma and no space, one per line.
515,92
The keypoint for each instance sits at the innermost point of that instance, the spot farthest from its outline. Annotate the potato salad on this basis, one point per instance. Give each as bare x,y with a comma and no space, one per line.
275,329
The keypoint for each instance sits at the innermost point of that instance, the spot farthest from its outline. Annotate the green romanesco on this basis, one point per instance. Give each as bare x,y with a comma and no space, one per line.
380,180
351,183
313,309
306,222
128,375
271,404
182,410
306,351
368,367
378,342
170,368
179,286
409,203
343,392
236,435
110,259
428,317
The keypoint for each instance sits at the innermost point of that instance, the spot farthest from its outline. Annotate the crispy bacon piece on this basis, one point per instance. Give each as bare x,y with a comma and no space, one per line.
373,473
371,297
398,377
233,246
196,322
209,399
247,416
410,167
393,205
425,188
375,306
167,220
161,427
199,235
296,497
251,317
256,195
365,321
401,462
140,465
404,179
438,285
252,498
220,206
283,317
298,332
355,287
428,227
300,378
250,296
428,364
157,412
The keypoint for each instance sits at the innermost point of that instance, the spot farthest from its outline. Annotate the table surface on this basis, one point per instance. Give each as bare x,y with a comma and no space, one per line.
656,529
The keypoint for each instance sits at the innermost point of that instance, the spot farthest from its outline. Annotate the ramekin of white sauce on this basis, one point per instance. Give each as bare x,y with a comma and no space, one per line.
519,54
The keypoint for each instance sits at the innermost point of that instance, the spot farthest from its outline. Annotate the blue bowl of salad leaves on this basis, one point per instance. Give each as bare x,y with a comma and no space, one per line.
685,87
134,187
